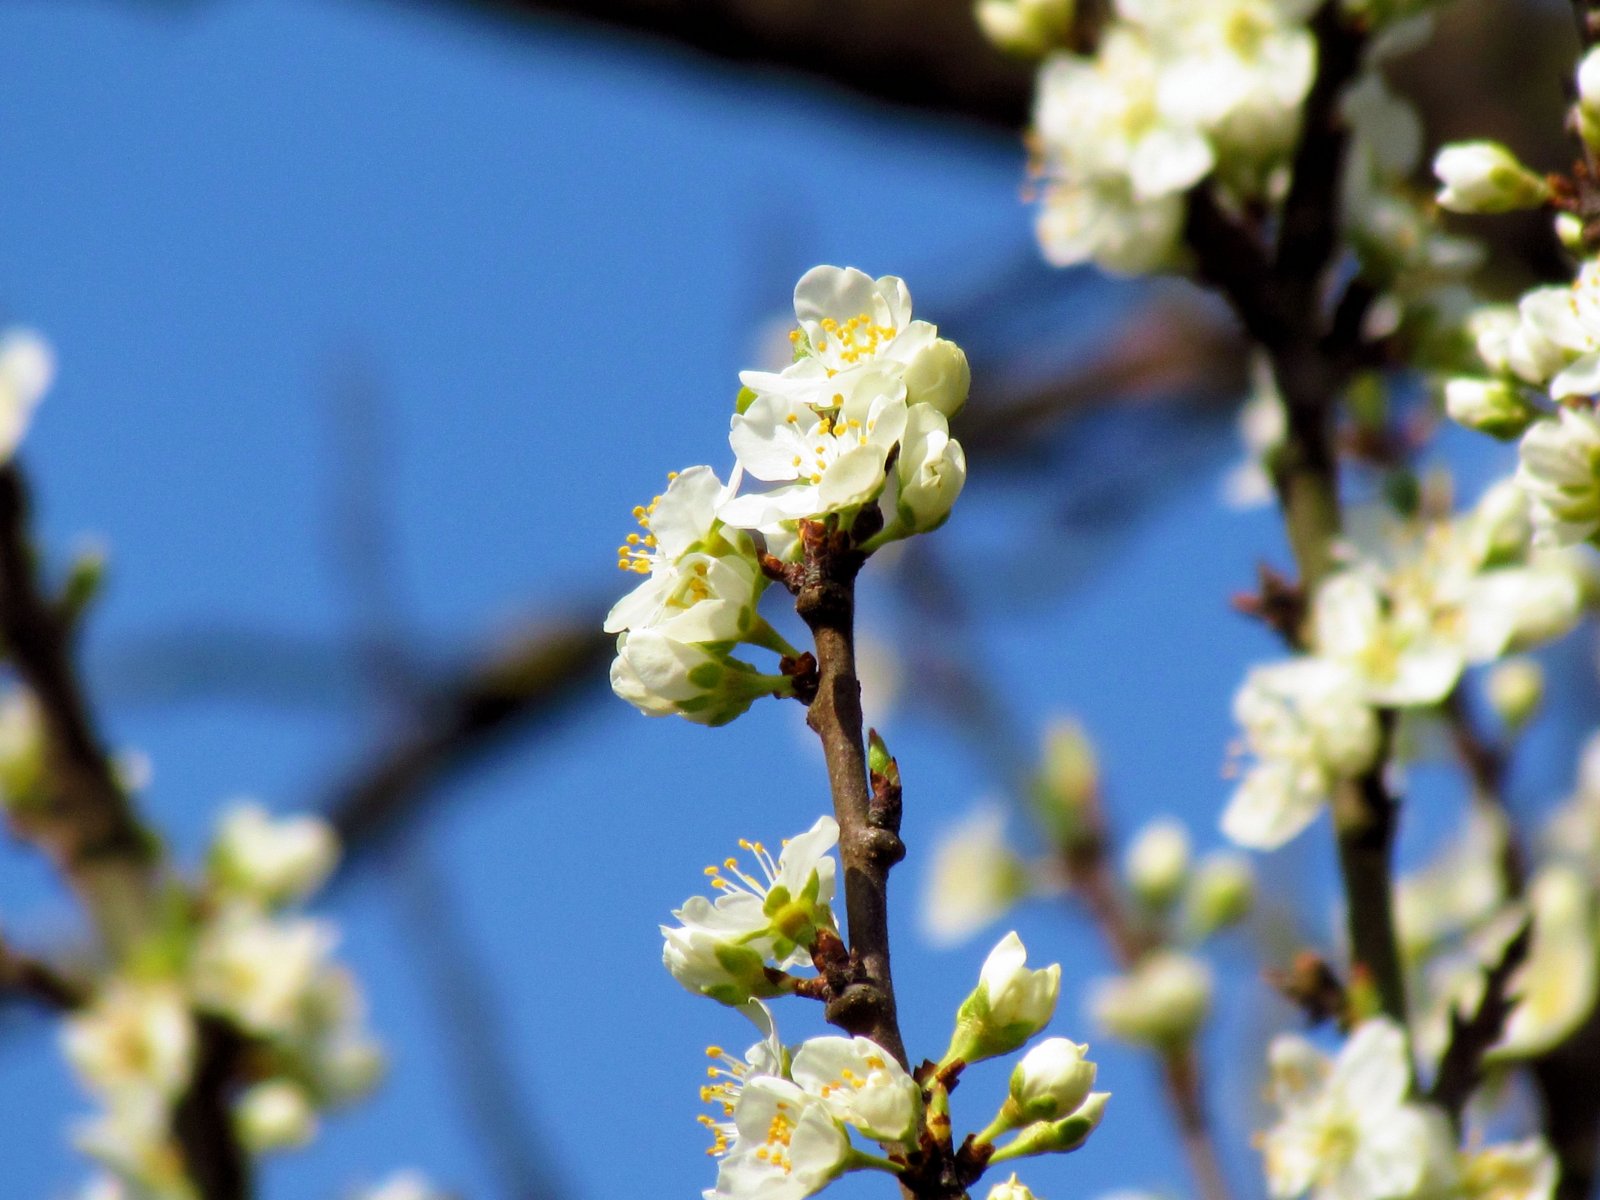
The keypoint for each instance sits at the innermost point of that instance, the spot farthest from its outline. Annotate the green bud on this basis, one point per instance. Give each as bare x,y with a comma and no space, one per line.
1223,892
1515,688
1157,864
1490,406
85,579
1068,783
879,761
1056,1137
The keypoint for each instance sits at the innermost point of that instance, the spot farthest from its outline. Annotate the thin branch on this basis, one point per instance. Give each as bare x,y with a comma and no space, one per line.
868,843
85,824
1461,1068
38,982
528,683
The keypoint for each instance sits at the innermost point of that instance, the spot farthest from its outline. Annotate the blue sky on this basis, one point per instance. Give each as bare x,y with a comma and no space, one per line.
546,254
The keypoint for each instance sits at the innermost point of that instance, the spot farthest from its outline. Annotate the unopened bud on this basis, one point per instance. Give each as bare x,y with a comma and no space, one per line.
1569,232
1052,1081
1068,784
1515,688
1010,1005
275,1115
939,376
1162,1002
1011,1189
1223,892
1157,863
1057,1137
1485,177
1589,98
1030,28
1490,406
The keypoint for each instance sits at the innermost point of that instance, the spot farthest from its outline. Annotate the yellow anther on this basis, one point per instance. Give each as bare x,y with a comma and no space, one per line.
671,475
650,540
713,871
638,510
794,335
632,539
713,1051
792,419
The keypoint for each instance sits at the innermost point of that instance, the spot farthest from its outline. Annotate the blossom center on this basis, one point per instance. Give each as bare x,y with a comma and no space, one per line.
638,551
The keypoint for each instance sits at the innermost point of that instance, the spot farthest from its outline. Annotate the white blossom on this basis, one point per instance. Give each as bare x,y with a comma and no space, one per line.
822,462
1345,1130
1560,471
851,324
973,879
786,1145
662,676
1308,725
1524,1170
272,861
260,971
772,912
1555,986
861,1084
133,1038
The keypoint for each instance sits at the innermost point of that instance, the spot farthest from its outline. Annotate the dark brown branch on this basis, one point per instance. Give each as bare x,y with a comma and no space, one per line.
922,54
1461,1068
506,694
826,602
85,823
202,1120
38,982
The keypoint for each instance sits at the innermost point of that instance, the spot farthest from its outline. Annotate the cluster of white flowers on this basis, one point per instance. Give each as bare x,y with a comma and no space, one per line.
1175,91
782,1118
235,965
1394,629
859,420
1348,1130
1535,372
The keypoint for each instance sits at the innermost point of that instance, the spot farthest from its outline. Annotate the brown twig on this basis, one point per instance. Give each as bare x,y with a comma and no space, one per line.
826,602
1461,1068
38,982
85,823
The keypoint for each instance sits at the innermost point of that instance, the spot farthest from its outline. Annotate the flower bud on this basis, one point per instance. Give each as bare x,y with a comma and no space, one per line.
1490,406
1057,1137
1157,863
716,967
1162,1002
1009,1006
1589,98
1068,784
1028,28
275,1115
271,861
23,781
1485,177
939,377
932,469
1515,688
1223,892
1052,1081
1569,232
660,675
1011,1189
